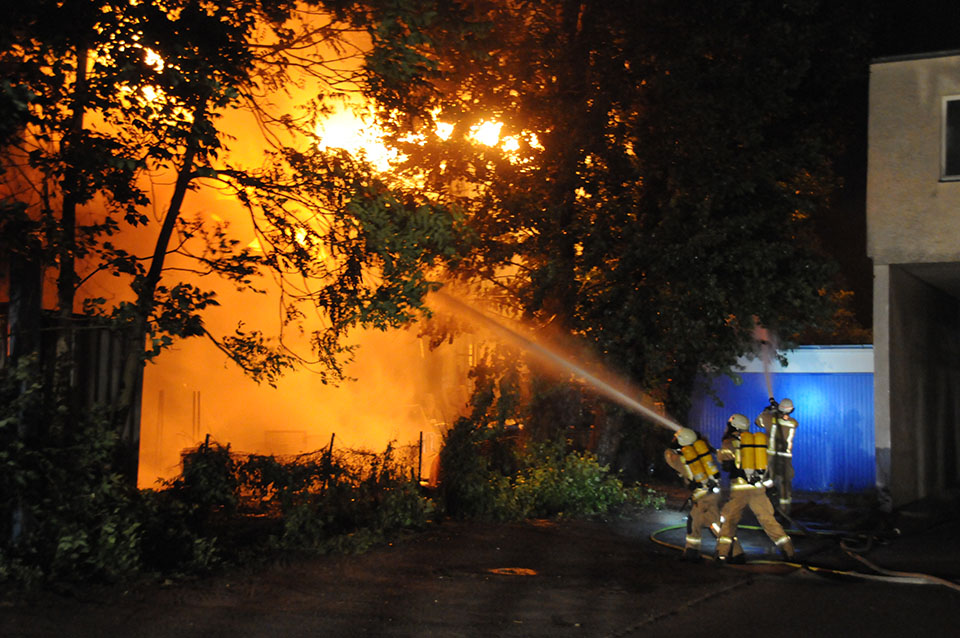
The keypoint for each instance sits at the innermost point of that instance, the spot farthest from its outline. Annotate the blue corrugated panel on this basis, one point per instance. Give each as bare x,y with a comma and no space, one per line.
834,447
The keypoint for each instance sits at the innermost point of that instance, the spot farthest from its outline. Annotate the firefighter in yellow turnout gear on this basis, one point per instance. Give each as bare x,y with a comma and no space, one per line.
692,458
743,454
781,428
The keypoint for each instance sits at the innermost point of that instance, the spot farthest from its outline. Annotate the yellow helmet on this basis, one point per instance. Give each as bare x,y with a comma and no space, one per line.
739,421
686,436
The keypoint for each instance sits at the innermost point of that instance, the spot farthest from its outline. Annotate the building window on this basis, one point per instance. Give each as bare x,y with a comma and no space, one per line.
950,153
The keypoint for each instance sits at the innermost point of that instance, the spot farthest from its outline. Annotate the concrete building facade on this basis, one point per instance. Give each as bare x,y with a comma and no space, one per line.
913,239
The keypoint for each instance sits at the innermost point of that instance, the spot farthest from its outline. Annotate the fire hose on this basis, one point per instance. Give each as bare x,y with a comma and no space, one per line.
883,575
899,576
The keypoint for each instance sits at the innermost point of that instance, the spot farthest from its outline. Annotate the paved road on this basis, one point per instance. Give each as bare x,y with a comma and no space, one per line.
538,578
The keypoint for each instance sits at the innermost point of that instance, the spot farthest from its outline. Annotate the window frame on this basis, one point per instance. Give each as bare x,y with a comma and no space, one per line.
945,138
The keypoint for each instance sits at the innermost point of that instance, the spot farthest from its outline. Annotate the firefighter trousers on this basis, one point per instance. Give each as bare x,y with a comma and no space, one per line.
705,512
782,474
754,497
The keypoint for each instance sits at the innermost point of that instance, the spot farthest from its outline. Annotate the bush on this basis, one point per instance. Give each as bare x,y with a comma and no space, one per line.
73,518
171,544
573,485
67,514
548,480
367,499
208,485
466,484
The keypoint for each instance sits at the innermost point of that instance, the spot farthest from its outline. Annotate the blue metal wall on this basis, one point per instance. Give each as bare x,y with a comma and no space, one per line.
834,447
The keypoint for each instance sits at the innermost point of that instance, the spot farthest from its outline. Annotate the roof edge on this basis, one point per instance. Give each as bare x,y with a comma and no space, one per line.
813,359
915,56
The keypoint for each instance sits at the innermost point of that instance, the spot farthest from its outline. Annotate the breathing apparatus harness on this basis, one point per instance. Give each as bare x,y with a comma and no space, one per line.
702,474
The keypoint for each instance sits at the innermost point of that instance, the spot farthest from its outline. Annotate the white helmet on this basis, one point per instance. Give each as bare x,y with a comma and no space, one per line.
785,406
686,436
739,422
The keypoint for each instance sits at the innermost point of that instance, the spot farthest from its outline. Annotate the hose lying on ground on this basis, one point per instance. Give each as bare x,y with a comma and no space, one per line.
884,575
925,578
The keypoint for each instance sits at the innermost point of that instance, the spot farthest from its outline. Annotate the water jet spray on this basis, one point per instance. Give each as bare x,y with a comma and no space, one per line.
768,351
554,359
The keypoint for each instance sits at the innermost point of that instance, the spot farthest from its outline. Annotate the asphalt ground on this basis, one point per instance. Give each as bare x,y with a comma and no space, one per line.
857,572
557,579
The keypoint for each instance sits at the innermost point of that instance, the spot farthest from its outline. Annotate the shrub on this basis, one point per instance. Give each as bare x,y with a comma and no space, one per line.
368,498
70,516
573,485
548,480
470,483
74,518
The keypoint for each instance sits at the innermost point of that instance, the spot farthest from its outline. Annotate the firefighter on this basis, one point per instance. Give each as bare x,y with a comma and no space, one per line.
743,455
692,458
781,428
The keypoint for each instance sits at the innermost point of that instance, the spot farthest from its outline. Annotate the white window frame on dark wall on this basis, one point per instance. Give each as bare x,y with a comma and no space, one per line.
950,139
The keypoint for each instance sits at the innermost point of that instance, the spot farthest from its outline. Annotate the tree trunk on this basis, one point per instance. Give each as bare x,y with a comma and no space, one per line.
137,331
26,282
559,299
64,373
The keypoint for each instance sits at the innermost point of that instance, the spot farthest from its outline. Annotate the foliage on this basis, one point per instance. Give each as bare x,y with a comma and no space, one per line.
79,520
469,485
75,518
573,484
72,513
116,113
207,484
372,498
321,502
667,160
549,480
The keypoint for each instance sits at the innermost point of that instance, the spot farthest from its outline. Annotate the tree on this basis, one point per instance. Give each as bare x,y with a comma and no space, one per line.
666,161
114,99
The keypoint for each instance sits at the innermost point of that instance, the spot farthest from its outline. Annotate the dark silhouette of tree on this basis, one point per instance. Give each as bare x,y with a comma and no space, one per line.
668,159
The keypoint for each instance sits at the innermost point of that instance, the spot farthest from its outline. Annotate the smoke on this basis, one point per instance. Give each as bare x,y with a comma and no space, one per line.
399,390
402,390
767,342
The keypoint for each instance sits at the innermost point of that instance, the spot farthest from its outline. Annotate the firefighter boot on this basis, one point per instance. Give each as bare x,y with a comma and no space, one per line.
729,554
691,555
787,551
737,559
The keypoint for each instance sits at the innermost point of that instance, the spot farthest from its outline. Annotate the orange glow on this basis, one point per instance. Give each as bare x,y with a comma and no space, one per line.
444,130
152,58
510,144
486,132
351,130
402,391
347,130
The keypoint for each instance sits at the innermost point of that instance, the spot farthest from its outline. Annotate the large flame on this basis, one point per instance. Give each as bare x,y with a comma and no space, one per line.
352,128
404,392
348,130
401,392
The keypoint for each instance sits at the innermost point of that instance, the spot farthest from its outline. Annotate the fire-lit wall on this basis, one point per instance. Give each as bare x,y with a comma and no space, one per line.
401,391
